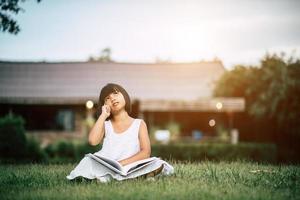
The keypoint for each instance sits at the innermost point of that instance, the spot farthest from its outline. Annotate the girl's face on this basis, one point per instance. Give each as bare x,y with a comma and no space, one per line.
115,101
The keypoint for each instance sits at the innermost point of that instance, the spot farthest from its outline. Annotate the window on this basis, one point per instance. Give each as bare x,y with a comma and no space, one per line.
65,120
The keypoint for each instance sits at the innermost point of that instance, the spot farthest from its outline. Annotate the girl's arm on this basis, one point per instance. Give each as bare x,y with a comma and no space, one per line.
97,132
145,146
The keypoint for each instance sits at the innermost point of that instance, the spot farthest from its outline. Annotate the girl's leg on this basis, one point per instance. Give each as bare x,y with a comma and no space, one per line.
154,172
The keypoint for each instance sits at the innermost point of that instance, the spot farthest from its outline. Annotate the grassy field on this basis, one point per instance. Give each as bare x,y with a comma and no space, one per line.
206,180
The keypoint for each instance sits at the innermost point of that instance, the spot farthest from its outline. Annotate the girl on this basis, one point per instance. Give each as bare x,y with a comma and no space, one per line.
125,140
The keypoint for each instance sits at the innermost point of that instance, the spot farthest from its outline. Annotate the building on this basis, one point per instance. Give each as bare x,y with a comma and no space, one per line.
52,97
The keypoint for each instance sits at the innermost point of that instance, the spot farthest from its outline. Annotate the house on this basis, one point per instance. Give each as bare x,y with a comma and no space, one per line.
53,96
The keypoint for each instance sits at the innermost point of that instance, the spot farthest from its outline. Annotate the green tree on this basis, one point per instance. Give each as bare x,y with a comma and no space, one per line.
8,8
271,90
233,83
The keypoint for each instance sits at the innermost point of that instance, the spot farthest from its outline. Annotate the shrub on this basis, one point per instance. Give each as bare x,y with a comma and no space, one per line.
174,128
217,152
14,146
63,152
12,137
34,153
66,151
84,148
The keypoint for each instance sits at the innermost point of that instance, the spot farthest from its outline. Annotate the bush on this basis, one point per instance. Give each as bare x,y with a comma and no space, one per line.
14,146
217,152
84,148
12,137
61,151
65,151
34,153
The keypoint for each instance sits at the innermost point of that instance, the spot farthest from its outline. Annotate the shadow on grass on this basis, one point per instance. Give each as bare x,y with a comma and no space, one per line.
83,180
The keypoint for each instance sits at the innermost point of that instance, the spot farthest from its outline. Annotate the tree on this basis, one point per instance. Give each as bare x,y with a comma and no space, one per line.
271,90
105,56
233,83
8,7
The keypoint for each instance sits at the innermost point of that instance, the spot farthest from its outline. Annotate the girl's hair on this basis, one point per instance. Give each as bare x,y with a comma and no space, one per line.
107,90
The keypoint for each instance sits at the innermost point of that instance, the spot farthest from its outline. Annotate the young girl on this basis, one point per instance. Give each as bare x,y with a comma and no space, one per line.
125,140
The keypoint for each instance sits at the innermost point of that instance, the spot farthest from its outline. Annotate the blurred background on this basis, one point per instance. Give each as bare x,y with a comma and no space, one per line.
216,80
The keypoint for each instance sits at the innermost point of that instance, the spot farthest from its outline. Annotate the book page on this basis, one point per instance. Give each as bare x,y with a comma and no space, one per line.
138,167
118,168
137,164
111,164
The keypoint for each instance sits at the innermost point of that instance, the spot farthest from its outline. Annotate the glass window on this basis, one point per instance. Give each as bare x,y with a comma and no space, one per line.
65,120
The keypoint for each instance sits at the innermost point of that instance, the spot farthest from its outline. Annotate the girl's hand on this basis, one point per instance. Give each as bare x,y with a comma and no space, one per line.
122,162
105,111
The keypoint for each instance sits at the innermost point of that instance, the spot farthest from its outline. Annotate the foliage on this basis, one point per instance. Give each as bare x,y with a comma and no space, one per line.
8,7
222,133
34,153
12,136
65,151
271,90
152,130
174,128
234,83
14,146
217,152
105,56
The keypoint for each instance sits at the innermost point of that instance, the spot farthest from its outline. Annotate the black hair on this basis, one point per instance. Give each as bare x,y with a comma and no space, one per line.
107,90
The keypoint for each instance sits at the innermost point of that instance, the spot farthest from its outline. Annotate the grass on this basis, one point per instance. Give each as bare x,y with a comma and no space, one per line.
205,180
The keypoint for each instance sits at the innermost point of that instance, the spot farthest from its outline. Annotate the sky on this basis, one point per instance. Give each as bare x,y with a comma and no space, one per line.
235,31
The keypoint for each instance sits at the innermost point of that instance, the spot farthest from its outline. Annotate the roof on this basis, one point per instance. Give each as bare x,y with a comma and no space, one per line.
215,104
76,82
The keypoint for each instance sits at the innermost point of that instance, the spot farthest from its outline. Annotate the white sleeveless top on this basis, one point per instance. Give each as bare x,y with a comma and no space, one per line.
119,146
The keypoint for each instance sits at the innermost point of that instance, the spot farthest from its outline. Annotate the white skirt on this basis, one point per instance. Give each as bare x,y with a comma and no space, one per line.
91,169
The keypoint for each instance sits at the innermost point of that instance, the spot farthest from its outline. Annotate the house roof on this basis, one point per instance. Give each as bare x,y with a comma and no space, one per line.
77,82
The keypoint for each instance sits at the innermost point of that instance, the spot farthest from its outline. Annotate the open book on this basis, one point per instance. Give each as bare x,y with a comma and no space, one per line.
118,168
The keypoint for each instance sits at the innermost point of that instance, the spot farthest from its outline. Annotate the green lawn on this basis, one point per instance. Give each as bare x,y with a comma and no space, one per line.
206,180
